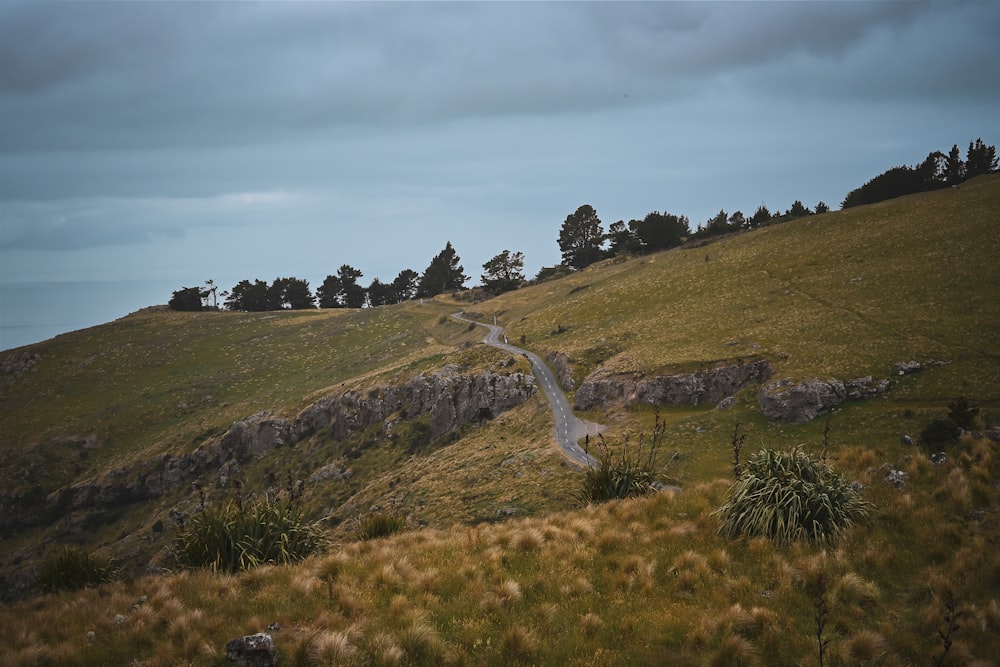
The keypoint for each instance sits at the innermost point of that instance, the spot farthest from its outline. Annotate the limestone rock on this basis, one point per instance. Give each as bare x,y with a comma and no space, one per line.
450,398
708,385
866,388
561,364
896,478
801,402
255,436
253,651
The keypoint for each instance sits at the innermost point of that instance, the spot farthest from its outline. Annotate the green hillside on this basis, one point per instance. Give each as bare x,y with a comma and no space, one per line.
498,565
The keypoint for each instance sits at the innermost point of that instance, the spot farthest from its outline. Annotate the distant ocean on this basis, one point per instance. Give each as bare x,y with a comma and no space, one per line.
33,312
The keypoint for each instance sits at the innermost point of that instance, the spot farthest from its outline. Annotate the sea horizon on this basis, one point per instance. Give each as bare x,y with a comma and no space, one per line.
33,312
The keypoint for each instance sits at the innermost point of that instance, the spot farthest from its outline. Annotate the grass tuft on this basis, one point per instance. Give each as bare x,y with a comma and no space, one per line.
72,569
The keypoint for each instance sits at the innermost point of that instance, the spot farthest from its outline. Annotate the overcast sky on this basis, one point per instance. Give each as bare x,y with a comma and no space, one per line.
184,141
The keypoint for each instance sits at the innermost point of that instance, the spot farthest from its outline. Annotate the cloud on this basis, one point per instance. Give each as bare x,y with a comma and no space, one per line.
77,224
274,136
135,76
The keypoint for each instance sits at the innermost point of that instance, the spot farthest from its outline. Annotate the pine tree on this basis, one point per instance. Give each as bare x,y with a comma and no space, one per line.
581,238
330,292
444,274
504,272
954,170
980,159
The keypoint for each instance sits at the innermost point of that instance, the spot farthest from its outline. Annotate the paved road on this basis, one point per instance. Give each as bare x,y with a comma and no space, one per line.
570,429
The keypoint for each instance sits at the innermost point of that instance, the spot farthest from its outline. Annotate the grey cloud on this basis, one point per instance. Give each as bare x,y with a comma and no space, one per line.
146,75
74,224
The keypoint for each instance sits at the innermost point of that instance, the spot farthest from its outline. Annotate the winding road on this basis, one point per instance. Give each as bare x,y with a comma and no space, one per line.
569,428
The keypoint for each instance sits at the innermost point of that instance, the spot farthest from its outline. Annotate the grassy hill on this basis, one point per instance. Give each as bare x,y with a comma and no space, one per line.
644,581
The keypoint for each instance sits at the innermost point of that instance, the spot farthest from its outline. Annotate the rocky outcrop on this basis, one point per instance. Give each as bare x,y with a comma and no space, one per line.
800,402
451,399
561,365
17,364
709,385
859,389
253,651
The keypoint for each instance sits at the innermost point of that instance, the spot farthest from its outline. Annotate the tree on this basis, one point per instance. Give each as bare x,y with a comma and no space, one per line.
658,231
353,293
622,238
276,294
737,221
954,170
761,217
798,210
404,286
379,293
444,274
822,207
210,293
504,272
329,293
980,159
248,297
895,182
932,170
298,296
186,298
717,225
581,237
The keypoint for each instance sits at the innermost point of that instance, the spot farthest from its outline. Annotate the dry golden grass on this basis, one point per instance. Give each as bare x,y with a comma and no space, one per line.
508,593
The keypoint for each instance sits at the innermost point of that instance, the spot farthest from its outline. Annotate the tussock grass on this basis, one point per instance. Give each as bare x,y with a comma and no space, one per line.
74,568
643,597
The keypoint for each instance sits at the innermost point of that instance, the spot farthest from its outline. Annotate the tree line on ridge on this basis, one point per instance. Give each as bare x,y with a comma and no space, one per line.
582,242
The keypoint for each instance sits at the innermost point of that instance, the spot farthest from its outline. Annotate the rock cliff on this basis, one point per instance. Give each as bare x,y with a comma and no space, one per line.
449,397
800,402
708,385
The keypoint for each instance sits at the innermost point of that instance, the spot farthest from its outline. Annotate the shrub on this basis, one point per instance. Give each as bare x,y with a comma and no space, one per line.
944,431
626,473
72,569
963,414
242,536
786,496
940,433
378,524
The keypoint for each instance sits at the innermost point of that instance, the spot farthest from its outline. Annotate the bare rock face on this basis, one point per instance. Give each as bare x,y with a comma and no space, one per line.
801,402
254,436
561,364
866,388
450,398
708,385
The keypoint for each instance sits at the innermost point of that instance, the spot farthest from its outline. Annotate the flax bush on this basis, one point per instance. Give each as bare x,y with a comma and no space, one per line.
73,568
622,472
240,536
786,496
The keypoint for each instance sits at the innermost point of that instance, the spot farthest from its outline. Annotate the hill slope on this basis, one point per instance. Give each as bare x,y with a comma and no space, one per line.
839,295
